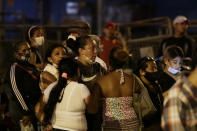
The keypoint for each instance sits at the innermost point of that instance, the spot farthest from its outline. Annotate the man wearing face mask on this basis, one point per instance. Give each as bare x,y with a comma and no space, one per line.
36,40
179,112
149,75
24,88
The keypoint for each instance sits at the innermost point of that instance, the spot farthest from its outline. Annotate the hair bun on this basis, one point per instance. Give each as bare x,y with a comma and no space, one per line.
72,44
121,55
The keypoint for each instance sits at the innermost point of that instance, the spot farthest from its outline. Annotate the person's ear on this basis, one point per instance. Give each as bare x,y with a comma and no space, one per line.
49,59
15,54
31,39
175,25
81,52
142,72
166,61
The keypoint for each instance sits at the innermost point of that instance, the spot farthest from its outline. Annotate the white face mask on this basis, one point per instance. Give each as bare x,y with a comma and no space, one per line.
88,60
39,40
173,71
55,65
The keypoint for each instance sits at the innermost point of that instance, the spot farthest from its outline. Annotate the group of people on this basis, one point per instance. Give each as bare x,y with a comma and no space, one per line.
88,83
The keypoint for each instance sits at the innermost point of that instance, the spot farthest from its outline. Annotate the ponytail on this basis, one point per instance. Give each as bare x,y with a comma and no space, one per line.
54,97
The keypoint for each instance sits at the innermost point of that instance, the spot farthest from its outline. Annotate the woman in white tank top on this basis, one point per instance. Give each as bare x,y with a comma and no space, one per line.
67,99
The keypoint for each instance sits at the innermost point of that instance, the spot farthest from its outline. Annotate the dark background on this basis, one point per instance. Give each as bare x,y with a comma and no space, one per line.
144,23
57,11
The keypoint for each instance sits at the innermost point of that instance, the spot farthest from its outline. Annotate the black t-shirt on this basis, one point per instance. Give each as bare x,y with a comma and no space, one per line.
166,81
184,42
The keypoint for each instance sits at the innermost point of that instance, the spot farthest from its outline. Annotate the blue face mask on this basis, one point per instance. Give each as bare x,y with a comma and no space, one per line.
24,57
173,71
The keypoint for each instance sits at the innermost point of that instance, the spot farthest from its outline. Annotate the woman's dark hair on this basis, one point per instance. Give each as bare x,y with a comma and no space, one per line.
50,50
73,45
142,64
66,65
32,30
80,42
118,58
19,44
172,52
78,26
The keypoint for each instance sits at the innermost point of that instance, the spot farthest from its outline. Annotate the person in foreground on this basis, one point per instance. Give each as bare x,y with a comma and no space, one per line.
180,106
65,109
116,89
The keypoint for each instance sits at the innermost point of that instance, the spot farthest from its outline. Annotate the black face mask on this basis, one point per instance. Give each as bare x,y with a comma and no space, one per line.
152,76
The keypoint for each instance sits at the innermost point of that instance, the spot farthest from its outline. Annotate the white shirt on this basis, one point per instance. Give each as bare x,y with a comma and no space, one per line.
69,114
101,62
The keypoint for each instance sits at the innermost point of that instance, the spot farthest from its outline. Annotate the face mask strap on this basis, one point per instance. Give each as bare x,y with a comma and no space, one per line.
89,60
24,57
30,30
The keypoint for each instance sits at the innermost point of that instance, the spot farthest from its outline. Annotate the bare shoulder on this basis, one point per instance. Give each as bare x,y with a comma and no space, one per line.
105,79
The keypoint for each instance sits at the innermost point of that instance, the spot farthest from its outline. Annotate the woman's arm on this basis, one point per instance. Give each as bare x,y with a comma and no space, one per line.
46,79
94,99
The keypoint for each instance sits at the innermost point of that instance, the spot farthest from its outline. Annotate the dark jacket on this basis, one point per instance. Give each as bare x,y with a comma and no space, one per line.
24,90
27,83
